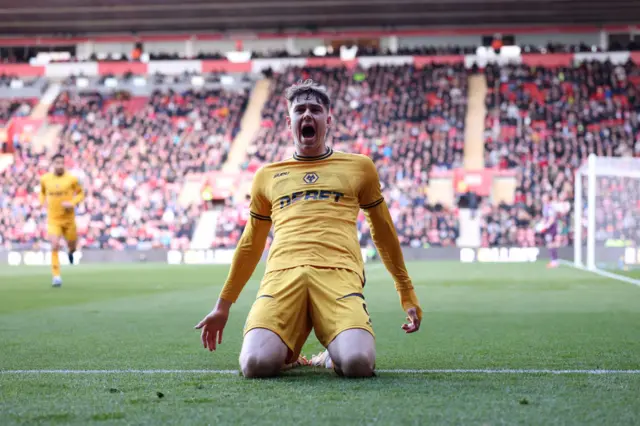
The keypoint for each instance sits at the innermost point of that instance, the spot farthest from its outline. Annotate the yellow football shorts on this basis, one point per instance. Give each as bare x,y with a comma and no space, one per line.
66,230
291,302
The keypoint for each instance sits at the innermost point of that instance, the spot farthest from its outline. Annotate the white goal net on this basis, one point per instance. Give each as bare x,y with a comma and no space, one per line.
607,213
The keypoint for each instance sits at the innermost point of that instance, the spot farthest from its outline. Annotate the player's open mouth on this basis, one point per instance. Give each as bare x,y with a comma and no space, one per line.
307,131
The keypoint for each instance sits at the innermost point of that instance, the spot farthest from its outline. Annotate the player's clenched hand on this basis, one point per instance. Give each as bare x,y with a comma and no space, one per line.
67,205
413,323
212,326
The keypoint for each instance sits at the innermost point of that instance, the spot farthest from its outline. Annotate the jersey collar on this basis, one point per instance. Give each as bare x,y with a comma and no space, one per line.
315,157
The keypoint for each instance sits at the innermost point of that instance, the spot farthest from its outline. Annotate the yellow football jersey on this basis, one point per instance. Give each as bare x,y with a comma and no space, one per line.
57,189
313,203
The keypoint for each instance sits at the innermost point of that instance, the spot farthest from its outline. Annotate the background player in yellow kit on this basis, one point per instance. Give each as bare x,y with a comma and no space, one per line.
315,272
61,193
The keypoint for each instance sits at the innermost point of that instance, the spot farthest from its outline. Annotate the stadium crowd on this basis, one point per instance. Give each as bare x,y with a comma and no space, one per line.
544,123
618,210
14,108
541,122
130,163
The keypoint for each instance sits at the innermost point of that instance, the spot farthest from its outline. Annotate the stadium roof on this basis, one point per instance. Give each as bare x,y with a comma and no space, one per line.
100,16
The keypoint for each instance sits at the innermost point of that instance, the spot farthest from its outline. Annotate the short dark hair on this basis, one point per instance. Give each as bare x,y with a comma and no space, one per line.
56,156
308,87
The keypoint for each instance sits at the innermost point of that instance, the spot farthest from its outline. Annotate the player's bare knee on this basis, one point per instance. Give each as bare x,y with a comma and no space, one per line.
255,366
353,353
355,364
263,354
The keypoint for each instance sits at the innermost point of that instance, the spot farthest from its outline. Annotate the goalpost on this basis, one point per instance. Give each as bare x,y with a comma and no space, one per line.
606,213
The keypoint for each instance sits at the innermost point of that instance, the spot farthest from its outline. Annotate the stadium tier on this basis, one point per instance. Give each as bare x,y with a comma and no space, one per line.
136,153
131,163
544,122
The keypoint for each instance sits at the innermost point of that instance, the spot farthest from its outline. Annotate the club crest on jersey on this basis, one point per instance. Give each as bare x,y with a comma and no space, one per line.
311,177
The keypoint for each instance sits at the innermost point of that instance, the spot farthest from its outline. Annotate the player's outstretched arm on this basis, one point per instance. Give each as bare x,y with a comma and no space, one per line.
246,257
385,238
245,260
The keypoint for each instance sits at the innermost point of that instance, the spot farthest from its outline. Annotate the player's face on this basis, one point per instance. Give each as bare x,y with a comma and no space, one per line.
308,121
58,166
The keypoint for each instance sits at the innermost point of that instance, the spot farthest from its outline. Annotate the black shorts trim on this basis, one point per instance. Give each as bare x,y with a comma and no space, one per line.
267,296
360,295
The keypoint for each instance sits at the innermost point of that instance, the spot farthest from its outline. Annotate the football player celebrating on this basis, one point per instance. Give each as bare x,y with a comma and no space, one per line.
61,193
315,272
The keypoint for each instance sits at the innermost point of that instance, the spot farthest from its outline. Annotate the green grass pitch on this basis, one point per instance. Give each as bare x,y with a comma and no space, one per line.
477,316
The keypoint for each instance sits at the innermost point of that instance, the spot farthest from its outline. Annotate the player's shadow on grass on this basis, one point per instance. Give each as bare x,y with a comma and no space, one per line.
309,372
303,372
316,374
323,374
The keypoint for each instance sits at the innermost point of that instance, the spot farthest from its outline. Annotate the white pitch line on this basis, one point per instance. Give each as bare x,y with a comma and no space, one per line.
394,371
508,371
119,371
603,273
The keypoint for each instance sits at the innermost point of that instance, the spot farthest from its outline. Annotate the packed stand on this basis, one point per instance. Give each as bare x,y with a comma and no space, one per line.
408,120
14,108
617,210
10,108
545,122
130,162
